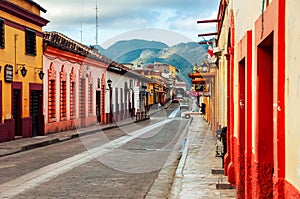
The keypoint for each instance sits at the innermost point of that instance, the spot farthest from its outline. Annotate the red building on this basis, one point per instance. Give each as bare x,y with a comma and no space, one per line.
257,91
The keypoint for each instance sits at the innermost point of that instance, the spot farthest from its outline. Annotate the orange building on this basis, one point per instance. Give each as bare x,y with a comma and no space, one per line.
75,81
21,85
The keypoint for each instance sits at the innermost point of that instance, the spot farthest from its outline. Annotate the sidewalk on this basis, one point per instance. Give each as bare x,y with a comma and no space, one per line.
23,144
193,177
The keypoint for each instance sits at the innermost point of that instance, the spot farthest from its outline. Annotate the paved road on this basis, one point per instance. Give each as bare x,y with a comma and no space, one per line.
117,163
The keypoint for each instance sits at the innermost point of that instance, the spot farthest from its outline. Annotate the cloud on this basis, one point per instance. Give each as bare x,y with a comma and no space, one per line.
152,34
119,16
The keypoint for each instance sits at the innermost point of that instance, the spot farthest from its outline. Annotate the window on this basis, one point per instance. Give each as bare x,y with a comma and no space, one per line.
2,35
90,99
63,94
82,96
51,94
72,94
63,100
30,42
72,100
51,101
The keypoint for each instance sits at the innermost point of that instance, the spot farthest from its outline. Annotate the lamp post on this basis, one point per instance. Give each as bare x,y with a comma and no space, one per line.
109,82
143,96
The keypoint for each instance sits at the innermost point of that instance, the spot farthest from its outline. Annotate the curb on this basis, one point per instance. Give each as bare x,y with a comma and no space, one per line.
183,157
162,185
40,144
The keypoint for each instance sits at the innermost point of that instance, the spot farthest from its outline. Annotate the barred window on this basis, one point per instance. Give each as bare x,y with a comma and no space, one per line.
63,94
2,34
63,100
82,97
51,100
72,94
30,42
90,99
72,100
51,94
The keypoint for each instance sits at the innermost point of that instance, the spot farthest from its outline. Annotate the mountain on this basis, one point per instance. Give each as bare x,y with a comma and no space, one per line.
123,47
183,56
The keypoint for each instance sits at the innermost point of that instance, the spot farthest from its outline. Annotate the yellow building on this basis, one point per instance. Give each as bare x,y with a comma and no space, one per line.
173,71
21,84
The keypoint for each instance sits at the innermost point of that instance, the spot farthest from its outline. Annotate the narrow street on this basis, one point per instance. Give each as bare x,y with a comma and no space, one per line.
116,163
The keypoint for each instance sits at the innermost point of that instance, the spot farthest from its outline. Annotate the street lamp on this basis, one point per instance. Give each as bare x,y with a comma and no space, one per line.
144,95
109,82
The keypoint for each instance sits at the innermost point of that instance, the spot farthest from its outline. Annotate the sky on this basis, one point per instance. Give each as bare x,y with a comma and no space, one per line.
168,21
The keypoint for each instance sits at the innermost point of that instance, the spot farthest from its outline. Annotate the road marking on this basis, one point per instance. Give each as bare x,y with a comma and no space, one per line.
173,114
29,181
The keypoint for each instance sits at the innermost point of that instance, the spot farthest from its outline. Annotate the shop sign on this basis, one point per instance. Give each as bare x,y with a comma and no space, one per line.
8,73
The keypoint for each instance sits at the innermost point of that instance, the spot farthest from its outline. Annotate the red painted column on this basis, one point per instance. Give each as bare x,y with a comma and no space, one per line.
279,133
227,156
249,113
243,148
231,166
240,145
232,141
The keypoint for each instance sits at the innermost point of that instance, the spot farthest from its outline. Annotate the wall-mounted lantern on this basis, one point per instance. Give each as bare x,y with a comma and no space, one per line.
23,69
40,73
109,82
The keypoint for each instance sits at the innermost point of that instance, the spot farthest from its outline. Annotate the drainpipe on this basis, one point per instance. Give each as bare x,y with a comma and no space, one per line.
15,41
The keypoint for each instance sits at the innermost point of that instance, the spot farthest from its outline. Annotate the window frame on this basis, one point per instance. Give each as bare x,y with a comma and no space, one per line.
2,33
30,43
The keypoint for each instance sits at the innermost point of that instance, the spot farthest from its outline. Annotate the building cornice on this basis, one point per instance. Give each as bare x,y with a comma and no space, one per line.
72,57
21,13
62,42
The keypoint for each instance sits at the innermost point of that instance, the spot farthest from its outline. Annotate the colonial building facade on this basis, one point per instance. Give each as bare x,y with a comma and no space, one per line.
258,71
75,81
21,69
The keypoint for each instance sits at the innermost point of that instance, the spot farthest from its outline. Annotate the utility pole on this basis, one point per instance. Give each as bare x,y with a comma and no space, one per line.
81,23
97,26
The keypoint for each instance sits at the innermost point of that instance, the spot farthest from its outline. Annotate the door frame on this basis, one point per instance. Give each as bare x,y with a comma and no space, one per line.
38,87
17,86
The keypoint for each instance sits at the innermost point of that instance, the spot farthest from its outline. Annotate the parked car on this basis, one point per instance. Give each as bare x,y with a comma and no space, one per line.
179,96
175,100
184,104
187,114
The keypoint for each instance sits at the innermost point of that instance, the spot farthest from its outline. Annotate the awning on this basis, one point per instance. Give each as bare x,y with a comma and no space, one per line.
198,81
202,75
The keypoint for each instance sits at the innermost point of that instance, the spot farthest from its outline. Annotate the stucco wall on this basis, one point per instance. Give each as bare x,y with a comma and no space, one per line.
57,64
9,55
222,75
292,93
245,15
118,81
95,72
